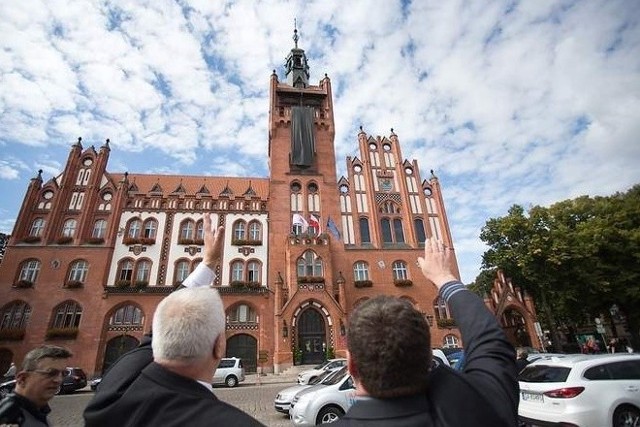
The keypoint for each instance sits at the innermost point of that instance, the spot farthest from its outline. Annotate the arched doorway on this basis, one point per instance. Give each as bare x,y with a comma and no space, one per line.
312,336
116,347
515,327
246,348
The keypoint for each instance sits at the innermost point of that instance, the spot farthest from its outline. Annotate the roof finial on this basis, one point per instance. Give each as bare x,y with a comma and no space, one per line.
295,32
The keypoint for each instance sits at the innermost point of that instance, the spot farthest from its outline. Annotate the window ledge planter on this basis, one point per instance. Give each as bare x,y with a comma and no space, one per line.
311,279
74,284
147,241
31,239
12,334
446,323
363,283
64,240
129,241
140,284
403,283
23,284
61,333
246,242
123,283
186,242
95,240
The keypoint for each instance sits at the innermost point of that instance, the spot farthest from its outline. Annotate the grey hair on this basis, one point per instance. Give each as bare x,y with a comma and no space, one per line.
187,323
30,361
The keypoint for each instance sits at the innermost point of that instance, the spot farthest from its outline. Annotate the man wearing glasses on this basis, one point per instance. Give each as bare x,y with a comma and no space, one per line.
38,381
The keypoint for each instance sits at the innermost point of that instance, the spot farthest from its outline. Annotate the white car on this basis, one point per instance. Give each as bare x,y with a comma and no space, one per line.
324,403
582,390
230,372
438,358
282,402
330,365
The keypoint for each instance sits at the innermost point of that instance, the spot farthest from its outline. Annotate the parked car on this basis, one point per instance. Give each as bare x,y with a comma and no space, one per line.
7,387
282,402
438,358
585,390
324,403
230,372
332,364
74,380
94,382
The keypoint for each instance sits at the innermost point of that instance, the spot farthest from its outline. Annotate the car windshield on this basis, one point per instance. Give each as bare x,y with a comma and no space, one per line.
335,376
544,374
320,378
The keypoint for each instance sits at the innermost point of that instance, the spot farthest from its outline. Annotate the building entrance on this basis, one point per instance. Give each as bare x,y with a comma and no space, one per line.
116,347
312,337
246,348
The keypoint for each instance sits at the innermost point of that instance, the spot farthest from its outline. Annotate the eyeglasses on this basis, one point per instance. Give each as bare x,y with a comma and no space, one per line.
52,373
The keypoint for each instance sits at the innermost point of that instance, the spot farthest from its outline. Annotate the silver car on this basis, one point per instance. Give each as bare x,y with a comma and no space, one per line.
230,372
332,364
324,403
282,403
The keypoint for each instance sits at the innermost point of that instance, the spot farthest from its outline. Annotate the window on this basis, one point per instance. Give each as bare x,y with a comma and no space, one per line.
450,341
419,226
125,270
255,231
150,228
99,229
440,308
386,230
200,230
143,270
182,271
397,230
309,265
389,207
360,271
364,230
129,315
29,271
67,315
69,228
389,235
237,271
399,269
15,315
186,230
78,271
135,225
239,230
253,271
242,313
37,227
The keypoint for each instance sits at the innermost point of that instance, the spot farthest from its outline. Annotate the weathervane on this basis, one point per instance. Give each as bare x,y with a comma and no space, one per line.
295,32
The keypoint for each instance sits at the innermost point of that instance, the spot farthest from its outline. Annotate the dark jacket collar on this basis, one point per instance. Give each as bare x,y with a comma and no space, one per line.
182,385
28,405
370,408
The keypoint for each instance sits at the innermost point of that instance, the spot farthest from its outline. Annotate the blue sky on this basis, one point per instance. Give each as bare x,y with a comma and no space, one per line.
527,102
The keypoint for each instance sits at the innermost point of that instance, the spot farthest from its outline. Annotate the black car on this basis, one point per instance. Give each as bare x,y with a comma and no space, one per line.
7,387
74,380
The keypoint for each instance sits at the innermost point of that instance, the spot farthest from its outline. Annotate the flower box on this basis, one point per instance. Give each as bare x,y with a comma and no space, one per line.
12,334
446,323
23,284
64,240
186,241
402,283
131,241
141,284
310,279
147,241
31,239
363,283
61,333
123,283
73,284
246,242
95,240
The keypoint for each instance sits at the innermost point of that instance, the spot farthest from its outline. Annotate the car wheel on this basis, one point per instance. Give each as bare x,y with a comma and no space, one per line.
626,416
329,414
231,381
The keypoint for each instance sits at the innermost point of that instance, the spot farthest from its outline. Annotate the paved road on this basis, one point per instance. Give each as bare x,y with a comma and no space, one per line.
256,400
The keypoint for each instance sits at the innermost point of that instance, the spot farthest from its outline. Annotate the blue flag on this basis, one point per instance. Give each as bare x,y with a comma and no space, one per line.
331,226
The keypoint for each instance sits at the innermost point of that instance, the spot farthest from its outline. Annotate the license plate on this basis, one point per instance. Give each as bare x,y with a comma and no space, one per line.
531,397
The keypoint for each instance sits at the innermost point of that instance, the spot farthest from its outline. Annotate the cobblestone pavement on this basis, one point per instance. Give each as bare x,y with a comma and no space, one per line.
256,400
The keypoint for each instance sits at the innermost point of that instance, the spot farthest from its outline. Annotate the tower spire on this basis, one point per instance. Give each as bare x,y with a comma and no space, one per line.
295,32
297,68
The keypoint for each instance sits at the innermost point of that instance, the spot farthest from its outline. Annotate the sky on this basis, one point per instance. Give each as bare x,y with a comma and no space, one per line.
509,102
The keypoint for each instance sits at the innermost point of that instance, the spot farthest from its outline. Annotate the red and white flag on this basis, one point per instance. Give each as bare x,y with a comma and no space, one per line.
314,222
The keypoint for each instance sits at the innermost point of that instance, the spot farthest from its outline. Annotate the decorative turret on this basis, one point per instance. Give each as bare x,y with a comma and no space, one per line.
297,68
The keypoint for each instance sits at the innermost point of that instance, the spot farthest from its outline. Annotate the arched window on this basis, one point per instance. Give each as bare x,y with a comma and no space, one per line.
37,227
239,230
67,315
440,309
181,271
200,230
360,271
129,315
386,230
143,270
399,269
253,271
309,265
69,228
78,271
389,235
150,229
420,234
450,341
99,229
237,271
15,315
134,227
255,231
389,207
29,270
186,230
241,313
365,237
125,270
398,234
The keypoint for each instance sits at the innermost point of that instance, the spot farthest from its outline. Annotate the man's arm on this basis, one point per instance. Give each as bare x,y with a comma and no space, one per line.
489,357
204,273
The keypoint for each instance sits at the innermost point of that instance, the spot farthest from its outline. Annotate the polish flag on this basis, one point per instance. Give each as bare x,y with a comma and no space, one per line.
315,223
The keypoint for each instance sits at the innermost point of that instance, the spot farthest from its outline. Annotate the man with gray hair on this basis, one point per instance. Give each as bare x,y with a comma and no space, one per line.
171,386
38,380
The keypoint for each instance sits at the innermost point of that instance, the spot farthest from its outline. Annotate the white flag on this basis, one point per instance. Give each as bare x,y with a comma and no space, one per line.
299,220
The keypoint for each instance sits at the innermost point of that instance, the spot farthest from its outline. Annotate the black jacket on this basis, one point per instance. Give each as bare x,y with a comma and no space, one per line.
485,393
138,392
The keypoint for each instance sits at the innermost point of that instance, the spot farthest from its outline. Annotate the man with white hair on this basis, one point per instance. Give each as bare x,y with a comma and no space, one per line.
171,386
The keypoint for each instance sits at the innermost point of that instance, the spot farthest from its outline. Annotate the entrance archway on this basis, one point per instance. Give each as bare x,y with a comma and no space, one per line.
246,348
116,347
515,327
312,336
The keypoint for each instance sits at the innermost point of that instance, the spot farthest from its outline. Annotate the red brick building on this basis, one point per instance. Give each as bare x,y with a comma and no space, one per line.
93,251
